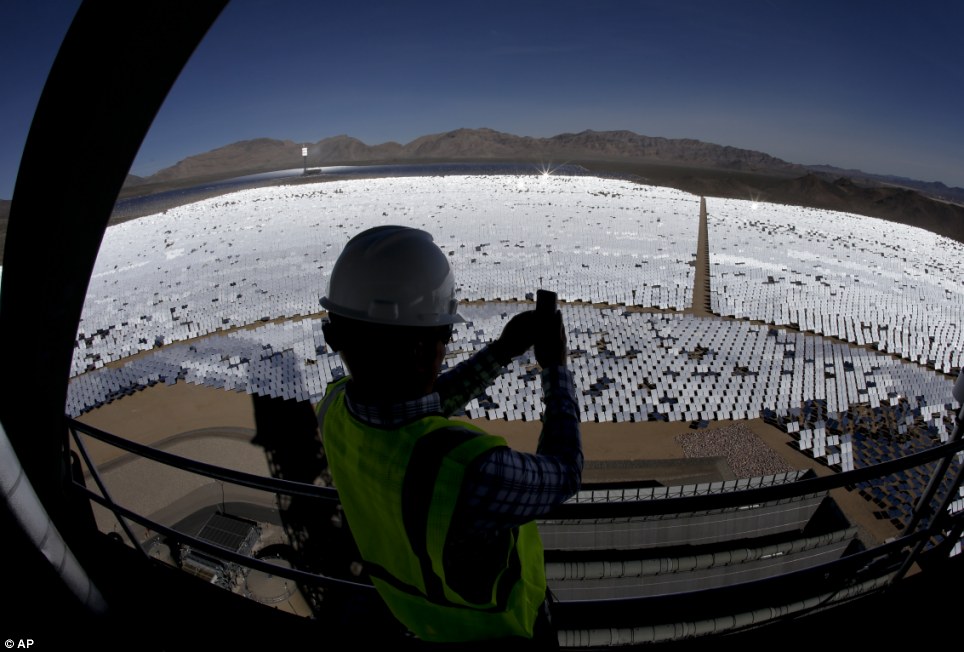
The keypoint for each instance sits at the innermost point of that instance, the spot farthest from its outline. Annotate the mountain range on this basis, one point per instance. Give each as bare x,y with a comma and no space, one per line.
264,154
695,166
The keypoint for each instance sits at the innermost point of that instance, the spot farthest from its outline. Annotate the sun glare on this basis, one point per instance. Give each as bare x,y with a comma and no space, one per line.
754,201
547,169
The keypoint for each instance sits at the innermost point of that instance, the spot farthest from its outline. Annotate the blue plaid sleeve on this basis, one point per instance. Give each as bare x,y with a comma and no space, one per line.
506,488
467,380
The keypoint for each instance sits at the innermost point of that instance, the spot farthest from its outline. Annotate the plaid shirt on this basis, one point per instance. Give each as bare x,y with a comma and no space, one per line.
503,488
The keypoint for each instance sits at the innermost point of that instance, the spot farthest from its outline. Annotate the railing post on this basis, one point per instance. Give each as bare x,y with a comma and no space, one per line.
103,490
923,507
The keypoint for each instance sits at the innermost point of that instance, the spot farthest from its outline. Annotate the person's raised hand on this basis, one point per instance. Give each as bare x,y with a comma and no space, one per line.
517,336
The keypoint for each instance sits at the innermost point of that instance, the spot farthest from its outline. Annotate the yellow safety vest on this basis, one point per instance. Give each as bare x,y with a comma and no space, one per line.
399,488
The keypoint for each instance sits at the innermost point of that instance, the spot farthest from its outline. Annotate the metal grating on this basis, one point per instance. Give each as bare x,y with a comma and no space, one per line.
226,531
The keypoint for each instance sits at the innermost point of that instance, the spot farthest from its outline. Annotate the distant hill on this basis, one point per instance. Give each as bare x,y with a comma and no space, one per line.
896,204
934,189
694,166
265,154
238,158
691,165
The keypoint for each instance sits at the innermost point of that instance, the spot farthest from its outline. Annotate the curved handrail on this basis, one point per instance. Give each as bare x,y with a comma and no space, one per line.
673,505
241,478
880,564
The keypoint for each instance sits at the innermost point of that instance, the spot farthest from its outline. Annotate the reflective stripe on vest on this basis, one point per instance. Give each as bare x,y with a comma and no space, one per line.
399,489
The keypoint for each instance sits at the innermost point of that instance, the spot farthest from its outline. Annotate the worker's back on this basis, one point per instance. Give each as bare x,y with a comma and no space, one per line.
442,513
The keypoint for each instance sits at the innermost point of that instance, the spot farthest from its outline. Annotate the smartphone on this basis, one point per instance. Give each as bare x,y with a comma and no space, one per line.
545,302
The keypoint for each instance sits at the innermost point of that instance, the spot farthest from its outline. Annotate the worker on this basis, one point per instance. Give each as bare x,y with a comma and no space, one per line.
442,512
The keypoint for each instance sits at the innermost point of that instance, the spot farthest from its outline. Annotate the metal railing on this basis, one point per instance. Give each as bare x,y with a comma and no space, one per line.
890,560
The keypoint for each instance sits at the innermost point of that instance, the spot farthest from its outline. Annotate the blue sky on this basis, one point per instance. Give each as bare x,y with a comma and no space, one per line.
873,85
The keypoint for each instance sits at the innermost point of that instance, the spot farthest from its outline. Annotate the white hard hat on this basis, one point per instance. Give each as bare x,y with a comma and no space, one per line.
393,275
